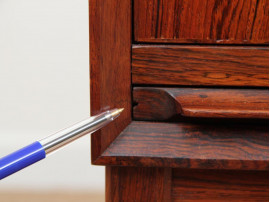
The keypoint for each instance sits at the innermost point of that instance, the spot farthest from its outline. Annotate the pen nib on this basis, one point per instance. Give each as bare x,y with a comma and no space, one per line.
116,112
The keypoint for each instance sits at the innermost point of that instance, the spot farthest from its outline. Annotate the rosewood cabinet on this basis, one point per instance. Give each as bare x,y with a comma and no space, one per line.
193,79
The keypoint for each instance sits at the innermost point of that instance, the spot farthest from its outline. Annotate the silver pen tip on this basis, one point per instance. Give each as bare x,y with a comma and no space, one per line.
116,112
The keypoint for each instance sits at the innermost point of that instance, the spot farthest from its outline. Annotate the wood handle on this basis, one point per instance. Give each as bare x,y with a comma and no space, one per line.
165,103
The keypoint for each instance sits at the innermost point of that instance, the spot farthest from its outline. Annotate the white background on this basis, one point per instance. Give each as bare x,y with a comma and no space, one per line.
44,87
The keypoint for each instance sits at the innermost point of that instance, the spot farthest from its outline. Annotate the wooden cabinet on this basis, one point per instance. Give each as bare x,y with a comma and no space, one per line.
193,79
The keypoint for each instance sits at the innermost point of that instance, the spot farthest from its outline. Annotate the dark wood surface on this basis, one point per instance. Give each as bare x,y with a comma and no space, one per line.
204,21
200,65
165,103
231,150
219,185
138,184
142,184
110,79
187,145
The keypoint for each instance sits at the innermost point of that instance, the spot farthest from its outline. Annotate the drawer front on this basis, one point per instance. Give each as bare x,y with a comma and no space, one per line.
219,185
202,21
200,65
165,103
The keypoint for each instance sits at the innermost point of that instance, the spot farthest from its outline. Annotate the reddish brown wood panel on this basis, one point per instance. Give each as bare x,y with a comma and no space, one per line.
204,21
110,80
219,185
200,65
187,145
165,103
138,184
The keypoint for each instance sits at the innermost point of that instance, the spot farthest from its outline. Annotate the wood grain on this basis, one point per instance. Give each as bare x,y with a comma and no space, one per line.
110,80
200,65
138,184
204,21
219,185
165,103
191,146
187,145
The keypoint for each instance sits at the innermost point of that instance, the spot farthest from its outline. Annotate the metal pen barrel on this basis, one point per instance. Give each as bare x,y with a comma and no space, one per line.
63,137
38,150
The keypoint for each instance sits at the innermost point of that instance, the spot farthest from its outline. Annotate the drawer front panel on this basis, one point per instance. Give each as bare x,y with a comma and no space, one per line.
204,21
200,65
165,103
219,185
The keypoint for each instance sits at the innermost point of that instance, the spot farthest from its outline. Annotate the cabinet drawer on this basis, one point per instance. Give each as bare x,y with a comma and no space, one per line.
200,65
204,21
166,103
219,185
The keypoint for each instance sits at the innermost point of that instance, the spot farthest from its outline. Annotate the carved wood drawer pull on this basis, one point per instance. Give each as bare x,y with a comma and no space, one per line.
165,103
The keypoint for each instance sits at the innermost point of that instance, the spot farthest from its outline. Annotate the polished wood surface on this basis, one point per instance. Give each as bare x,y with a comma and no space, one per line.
166,184
219,185
165,103
138,184
219,47
110,79
200,65
204,21
190,145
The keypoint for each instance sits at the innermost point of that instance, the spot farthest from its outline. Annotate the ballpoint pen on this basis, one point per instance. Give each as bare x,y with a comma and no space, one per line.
39,149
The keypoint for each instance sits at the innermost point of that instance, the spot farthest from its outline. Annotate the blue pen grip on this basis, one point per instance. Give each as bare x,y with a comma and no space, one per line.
21,159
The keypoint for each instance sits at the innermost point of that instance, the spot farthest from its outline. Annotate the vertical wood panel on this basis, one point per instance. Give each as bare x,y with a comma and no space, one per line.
110,78
138,184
